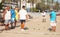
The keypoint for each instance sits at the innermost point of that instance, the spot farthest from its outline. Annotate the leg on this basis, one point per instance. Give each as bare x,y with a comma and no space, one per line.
44,20
6,25
0,23
54,28
22,25
12,23
15,23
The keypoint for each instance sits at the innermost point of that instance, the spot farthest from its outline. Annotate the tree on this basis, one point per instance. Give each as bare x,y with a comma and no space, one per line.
42,6
56,7
1,5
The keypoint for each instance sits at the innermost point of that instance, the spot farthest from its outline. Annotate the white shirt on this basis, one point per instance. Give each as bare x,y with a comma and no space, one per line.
8,15
22,14
43,14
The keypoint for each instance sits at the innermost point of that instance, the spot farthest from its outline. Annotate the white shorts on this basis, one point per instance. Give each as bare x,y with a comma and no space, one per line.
7,21
53,23
12,20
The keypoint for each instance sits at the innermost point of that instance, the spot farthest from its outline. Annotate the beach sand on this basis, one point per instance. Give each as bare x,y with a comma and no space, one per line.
35,28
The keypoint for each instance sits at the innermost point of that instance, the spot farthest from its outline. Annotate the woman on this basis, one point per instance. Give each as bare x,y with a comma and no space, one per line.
16,17
16,12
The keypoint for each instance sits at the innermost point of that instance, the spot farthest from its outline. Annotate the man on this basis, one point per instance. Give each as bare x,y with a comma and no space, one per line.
16,15
23,17
53,20
7,17
44,16
13,24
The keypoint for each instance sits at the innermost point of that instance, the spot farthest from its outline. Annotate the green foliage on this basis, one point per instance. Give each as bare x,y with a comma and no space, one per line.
1,5
56,7
33,10
42,6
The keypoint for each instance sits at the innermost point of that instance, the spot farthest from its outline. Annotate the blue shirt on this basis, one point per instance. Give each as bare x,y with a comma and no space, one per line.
53,16
12,13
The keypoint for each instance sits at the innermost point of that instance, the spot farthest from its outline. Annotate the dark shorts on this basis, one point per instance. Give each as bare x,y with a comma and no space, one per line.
22,21
43,15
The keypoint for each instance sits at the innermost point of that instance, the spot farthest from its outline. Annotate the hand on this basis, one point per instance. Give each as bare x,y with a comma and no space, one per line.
27,19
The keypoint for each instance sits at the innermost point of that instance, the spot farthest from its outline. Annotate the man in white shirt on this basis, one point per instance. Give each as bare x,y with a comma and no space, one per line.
44,16
23,16
7,17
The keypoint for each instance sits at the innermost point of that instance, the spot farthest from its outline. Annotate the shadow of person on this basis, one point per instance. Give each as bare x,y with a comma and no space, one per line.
26,28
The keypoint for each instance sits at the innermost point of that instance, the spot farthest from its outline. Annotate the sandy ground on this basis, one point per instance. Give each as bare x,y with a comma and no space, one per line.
36,28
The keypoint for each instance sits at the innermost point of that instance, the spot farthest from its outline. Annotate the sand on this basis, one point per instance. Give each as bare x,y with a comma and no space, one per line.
35,28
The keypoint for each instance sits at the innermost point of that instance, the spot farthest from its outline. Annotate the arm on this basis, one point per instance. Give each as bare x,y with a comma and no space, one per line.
27,17
4,12
18,16
50,14
56,18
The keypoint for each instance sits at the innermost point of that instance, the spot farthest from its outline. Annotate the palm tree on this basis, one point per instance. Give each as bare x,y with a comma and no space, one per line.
52,2
57,6
1,5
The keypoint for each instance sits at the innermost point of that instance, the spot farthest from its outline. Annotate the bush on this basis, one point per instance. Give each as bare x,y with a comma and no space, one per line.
42,6
34,10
